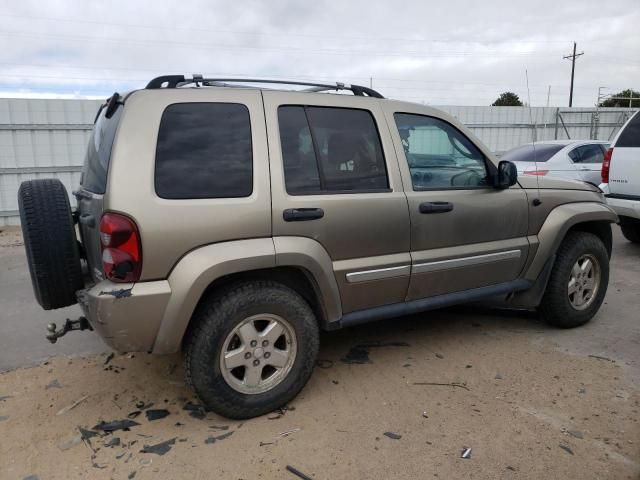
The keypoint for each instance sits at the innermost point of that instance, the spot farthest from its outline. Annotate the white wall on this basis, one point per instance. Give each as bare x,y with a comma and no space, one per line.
42,138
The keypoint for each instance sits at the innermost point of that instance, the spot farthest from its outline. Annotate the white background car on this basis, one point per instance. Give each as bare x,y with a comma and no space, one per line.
568,159
621,177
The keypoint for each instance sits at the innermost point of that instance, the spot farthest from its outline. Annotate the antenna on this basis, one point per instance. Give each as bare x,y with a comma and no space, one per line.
535,201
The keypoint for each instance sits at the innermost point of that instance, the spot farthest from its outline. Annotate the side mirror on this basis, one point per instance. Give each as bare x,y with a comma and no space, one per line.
507,175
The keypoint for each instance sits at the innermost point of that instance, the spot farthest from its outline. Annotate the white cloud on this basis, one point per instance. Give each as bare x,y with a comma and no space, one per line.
455,52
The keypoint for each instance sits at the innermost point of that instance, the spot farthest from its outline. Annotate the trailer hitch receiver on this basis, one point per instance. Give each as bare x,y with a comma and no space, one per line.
79,324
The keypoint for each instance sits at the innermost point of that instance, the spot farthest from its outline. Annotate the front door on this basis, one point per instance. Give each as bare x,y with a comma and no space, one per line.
335,179
464,233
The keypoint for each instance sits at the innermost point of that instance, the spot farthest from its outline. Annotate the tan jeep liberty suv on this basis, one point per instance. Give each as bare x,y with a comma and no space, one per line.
233,222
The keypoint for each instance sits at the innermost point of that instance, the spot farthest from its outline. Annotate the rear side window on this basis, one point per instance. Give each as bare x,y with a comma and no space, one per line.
630,136
327,149
96,162
527,153
204,151
587,154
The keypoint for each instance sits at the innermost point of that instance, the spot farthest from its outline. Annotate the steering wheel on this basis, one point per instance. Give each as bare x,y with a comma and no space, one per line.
466,178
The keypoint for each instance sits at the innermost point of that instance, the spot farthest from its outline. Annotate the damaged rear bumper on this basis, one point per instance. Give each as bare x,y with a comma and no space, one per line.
126,315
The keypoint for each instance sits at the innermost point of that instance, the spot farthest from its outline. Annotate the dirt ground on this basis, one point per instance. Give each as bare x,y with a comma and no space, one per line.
525,410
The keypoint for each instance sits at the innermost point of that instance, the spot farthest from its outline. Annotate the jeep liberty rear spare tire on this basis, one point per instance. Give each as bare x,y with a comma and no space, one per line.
251,348
50,242
578,281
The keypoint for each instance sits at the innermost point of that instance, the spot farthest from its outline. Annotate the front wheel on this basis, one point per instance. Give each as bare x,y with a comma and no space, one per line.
251,349
578,281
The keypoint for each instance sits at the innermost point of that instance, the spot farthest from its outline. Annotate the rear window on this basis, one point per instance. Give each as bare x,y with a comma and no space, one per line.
527,153
96,162
204,151
630,135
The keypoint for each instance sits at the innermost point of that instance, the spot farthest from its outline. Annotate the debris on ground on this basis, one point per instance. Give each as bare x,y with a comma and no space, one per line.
64,410
298,473
4,417
159,448
212,439
392,436
142,405
53,384
72,442
131,475
195,410
575,433
109,358
424,414
439,355
566,448
324,363
359,354
598,357
156,414
279,413
31,477
4,397
134,414
115,425
219,427
466,453
287,433
451,384
114,442
498,376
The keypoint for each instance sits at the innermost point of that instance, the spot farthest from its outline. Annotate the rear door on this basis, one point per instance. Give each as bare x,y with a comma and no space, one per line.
587,159
624,172
465,234
335,179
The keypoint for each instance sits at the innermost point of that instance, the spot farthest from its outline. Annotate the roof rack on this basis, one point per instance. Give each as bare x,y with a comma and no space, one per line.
174,81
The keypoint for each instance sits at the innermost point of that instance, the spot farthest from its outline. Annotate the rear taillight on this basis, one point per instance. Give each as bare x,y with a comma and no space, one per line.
121,248
536,172
606,165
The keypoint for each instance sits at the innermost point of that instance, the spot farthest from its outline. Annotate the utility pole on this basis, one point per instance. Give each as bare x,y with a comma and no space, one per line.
573,69
370,82
548,95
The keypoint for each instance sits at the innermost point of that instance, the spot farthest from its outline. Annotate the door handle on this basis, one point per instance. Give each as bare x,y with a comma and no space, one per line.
436,207
302,214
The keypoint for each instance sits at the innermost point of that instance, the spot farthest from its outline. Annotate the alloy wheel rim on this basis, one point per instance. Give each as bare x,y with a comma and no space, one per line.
258,354
584,282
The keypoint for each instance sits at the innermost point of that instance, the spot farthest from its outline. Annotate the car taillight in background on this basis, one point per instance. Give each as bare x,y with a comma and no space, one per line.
121,248
536,172
606,165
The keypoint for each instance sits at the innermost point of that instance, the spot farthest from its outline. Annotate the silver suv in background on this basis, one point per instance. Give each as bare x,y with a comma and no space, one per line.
621,177
233,224
569,159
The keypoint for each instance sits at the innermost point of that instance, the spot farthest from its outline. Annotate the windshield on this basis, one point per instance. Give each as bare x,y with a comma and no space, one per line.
526,153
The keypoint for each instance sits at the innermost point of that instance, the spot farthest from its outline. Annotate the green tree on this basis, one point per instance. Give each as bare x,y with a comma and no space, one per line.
621,99
507,99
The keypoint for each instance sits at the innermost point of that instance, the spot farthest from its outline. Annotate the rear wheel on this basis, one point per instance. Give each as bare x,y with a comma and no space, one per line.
251,349
630,229
578,281
50,242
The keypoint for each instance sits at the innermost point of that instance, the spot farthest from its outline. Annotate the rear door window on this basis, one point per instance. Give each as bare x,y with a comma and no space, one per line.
96,162
204,150
587,154
328,149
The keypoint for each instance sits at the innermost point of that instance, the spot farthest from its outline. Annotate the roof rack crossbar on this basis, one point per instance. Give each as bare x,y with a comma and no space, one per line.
174,81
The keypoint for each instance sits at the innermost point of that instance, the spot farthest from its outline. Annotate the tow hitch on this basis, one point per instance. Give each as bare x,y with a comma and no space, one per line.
80,324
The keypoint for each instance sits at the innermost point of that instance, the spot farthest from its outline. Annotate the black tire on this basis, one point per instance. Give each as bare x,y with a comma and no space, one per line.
556,308
50,242
214,320
630,229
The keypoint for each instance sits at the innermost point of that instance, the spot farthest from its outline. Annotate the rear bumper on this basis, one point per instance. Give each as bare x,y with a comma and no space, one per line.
624,207
126,315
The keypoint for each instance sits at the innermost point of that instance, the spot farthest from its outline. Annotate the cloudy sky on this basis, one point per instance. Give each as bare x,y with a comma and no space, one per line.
437,52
